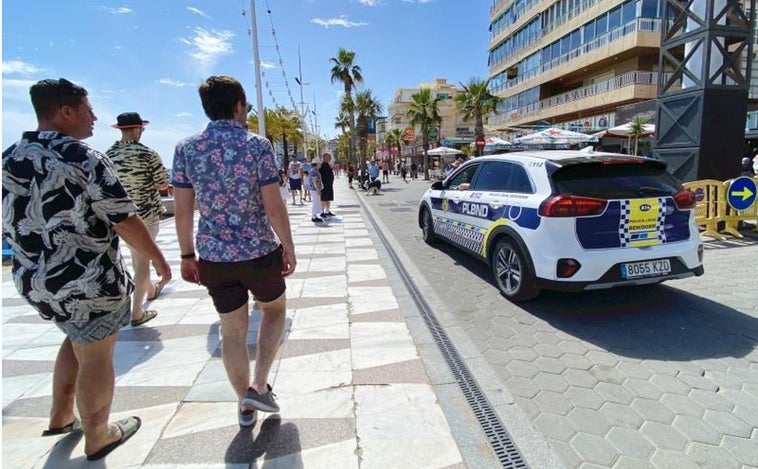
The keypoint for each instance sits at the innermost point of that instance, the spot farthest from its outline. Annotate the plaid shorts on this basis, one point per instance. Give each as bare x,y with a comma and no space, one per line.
99,328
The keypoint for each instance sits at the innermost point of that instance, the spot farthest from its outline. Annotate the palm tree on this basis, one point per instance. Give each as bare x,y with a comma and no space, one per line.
349,74
475,102
424,112
368,108
395,137
637,128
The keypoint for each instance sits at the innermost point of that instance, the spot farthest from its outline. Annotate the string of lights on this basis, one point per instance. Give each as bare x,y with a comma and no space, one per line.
264,76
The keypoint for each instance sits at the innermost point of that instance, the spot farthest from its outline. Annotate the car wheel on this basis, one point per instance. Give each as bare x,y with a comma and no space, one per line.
427,226
513,274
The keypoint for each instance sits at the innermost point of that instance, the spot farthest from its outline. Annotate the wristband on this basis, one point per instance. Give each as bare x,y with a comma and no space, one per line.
188,256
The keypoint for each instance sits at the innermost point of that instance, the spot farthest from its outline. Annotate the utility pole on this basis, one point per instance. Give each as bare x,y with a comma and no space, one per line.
315,124
257,68
299,80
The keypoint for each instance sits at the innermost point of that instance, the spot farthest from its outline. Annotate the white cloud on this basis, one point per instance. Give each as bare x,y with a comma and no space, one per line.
198,11
341,21
17,89
184,114
370,3
17,66
265,64
170,82
117,10
420,2
207,46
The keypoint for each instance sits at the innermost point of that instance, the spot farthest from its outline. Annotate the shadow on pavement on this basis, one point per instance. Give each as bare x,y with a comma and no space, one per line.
652,322
274,440
658,322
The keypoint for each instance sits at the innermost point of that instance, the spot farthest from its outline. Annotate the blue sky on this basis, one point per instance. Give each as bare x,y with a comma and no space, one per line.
149,56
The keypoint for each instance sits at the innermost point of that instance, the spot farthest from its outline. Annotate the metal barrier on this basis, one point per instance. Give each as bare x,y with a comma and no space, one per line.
713,207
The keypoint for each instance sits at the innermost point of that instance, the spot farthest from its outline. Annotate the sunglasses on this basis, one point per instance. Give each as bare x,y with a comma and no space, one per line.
249,108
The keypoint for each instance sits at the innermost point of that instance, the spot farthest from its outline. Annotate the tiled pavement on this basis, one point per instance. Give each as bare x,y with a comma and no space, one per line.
351,385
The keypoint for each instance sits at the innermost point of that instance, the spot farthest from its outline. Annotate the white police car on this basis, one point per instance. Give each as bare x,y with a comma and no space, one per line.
566,220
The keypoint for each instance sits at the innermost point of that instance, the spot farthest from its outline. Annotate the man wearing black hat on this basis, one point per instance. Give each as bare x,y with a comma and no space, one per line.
142,174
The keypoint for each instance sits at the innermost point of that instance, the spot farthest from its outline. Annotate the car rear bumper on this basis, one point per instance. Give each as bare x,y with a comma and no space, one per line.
612,278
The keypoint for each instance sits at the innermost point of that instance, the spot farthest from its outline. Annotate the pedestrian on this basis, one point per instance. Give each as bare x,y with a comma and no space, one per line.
414,170
385,171
327,179
64,212
244,242
350,174
296,184
404,172
317,185
747,167
305,168
142,174
283,186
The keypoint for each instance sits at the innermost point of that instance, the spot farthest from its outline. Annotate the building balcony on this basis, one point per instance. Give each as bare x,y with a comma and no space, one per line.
623,89
643,33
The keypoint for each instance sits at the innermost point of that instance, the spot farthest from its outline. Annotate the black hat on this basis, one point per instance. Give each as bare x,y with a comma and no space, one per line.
129,120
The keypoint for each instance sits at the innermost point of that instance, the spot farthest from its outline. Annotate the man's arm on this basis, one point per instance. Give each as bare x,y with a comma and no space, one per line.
184,207
276,212
134,232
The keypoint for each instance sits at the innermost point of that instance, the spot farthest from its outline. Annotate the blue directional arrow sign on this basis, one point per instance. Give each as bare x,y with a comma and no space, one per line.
741,193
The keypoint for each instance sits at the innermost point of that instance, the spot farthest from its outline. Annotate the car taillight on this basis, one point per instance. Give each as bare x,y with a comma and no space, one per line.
572,206
566,268
685,199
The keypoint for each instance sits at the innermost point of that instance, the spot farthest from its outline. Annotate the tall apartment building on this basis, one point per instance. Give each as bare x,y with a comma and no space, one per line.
453,132
572,63
576,64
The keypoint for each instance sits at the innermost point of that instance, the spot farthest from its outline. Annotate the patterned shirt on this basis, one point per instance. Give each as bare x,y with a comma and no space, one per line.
314,179
227,165
61,199
306,169
140,171
294,170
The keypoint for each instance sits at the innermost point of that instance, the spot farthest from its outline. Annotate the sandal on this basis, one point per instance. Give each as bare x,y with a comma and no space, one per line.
158,286
147,315
128,427
75,425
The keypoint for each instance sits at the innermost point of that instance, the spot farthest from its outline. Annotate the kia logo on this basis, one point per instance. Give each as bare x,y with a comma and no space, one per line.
645,207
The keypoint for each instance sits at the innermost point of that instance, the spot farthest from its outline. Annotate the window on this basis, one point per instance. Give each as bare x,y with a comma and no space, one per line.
628,12
601,25
589,32
462,180
494,177
614,18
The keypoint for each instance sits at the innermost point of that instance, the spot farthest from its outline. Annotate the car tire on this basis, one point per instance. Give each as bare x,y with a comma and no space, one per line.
513,274
427,227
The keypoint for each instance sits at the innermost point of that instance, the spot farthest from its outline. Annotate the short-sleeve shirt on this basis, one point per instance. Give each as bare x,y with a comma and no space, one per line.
140,171
61,199
227,165
294,170
373,170
306,169
314,179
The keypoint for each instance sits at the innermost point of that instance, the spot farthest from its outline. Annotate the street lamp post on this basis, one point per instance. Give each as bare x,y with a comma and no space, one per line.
300,82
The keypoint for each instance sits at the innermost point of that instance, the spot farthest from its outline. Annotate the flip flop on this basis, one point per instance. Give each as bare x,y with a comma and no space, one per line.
158,286
75,425
128,427
147,315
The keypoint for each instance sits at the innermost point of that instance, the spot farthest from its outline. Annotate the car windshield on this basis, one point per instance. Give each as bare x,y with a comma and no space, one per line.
615,181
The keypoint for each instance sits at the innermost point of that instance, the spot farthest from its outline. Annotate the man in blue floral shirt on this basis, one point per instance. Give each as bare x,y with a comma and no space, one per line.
244,242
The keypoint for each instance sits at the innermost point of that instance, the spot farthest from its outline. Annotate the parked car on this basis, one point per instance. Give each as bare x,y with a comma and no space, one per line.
566,220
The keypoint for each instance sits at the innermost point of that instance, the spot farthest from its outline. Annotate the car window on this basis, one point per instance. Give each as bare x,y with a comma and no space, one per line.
502,176
462,180
615,181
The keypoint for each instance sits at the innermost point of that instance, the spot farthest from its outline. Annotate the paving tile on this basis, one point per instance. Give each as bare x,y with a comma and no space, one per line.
727,423
594,449
653,410
589,421
583,397
663,436
630,443
712,456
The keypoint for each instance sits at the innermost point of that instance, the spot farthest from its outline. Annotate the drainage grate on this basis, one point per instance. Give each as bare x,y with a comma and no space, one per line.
500,440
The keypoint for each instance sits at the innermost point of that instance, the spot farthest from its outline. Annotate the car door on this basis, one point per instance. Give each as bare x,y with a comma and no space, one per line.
450,220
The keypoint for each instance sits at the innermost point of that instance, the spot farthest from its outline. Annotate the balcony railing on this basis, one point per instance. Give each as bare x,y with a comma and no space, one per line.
605,86
640,24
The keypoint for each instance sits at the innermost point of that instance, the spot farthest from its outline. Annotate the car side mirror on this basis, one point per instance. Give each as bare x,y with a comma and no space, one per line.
437,185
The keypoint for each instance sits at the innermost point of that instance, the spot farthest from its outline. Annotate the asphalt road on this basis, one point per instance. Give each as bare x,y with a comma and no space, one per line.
654,376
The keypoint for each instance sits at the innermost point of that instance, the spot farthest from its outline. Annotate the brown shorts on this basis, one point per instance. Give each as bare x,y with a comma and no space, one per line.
228,283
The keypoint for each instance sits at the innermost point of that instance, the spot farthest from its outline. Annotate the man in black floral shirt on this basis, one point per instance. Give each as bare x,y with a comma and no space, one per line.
64,210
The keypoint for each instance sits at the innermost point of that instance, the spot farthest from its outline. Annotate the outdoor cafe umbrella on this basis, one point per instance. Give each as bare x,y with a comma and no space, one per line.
556,136
625,131
444,151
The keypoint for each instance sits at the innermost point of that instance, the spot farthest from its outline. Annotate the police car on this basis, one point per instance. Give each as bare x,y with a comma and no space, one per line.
566,220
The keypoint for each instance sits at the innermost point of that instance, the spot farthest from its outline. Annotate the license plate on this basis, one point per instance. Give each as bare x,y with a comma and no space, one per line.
646,269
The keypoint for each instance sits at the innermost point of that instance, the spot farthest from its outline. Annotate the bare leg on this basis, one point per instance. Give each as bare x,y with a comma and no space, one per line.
269,337
94,392
142,284
234,326
64,386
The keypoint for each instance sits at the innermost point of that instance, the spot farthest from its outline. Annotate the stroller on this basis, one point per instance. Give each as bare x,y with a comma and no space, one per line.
372,186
